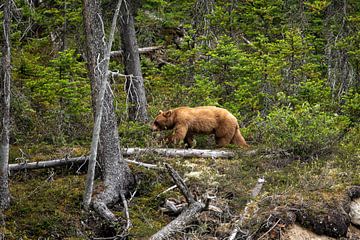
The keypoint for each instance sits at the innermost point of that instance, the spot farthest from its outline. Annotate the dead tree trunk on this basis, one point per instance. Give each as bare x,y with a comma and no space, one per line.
137,152
187,216
134,81
173,152
5,77
340,72
116,173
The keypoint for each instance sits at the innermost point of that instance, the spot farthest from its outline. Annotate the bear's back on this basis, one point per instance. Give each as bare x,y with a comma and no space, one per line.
204,119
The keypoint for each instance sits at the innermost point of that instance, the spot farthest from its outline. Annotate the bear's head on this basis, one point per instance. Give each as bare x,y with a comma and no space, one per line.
163,121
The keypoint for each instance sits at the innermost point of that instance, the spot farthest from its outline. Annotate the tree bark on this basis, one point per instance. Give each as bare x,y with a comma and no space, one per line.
134,82
5,77
116,173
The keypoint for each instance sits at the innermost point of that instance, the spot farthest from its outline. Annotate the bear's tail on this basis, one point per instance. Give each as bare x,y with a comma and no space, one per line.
238,139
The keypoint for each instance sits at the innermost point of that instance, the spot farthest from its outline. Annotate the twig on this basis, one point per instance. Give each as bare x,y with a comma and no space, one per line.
126,210
147,165
238,223
269,229
167,190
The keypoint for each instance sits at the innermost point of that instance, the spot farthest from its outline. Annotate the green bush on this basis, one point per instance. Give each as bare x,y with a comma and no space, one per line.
352,105
304,132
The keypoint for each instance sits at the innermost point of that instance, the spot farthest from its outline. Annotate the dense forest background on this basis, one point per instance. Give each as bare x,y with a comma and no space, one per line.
288,70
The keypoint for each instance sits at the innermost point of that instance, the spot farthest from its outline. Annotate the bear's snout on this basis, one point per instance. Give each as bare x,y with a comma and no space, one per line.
154,127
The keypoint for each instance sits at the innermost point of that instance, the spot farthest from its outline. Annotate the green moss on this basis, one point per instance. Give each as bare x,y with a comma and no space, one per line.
43,208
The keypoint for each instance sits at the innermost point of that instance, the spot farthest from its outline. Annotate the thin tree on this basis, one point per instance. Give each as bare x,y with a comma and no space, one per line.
5,77
134,81
105,144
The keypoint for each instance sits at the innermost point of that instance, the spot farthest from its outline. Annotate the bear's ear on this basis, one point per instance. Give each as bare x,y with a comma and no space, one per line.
168,113
160,112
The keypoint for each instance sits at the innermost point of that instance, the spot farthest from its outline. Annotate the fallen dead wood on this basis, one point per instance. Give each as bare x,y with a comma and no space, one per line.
127,152
187,216
173,152
65,161
247,210
47,164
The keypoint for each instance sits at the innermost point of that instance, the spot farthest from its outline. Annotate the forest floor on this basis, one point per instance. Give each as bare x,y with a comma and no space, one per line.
47,203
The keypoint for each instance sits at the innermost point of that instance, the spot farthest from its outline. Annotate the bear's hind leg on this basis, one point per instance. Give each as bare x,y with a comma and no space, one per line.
223,136
223,141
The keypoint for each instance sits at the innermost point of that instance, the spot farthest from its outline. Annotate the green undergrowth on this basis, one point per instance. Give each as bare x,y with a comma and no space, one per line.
47,203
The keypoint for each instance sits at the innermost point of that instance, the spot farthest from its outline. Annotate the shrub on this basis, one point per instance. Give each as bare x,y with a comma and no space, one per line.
352,105
303,132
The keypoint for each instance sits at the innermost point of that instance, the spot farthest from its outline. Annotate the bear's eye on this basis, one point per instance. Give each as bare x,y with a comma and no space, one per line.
156,123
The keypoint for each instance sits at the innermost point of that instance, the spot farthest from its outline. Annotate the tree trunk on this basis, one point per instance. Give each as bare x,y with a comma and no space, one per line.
340,72
116,173
5,77
134,82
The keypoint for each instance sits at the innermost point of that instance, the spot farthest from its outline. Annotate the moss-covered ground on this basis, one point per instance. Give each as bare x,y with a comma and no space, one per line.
47,203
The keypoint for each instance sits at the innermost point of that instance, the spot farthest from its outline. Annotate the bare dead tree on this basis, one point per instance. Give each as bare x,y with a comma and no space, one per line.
202,9
116,173
134,83
5,78
340,72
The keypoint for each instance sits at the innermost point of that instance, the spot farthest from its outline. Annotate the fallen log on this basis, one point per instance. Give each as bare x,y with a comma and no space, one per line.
47,164
181,222
187,216
173,152
65,161
127,152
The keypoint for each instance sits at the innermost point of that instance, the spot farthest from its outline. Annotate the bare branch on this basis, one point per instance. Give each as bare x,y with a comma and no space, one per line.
141,51
181,184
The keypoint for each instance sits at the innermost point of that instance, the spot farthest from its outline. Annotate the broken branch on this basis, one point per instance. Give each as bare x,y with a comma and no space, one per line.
141,50
186,216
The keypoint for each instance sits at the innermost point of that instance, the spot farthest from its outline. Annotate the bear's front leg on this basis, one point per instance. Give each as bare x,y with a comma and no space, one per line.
179,134
189,139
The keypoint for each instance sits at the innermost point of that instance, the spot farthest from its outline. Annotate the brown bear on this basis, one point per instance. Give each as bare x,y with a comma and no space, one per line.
186,122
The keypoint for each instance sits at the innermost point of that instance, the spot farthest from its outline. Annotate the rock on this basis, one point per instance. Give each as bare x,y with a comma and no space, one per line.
330,221
296,232
354,192
353,233
355,211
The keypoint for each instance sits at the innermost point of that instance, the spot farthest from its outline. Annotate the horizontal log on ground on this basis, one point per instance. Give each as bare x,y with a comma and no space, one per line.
47,164
172,152
65,161
127,152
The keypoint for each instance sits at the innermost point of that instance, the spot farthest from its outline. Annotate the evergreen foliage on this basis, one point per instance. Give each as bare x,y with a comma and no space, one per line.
288,70
259,59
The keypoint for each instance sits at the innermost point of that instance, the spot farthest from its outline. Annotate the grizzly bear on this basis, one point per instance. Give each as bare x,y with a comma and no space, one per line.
186,122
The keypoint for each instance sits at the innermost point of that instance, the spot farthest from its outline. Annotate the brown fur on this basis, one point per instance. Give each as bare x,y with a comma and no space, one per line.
186,122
